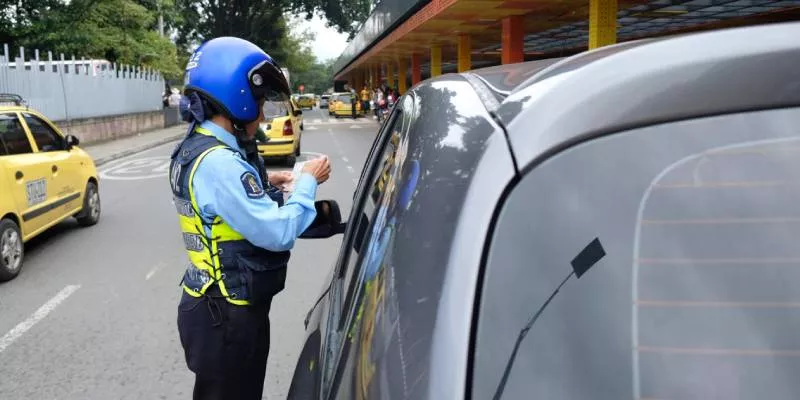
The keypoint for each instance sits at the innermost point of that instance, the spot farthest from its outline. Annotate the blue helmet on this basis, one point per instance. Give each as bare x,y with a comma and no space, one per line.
233,75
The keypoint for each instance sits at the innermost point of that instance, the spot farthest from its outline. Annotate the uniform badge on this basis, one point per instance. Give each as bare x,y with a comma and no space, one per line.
251,186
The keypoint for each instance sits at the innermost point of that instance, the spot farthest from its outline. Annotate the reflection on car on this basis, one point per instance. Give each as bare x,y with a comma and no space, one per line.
620,224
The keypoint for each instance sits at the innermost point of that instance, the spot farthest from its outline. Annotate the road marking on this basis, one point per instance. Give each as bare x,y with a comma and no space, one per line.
354,127
37,316
352,171
345,159
355,181
153,271
310,128
138,168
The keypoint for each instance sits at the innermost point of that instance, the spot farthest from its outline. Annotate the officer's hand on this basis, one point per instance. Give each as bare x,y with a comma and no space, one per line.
320,168
279,178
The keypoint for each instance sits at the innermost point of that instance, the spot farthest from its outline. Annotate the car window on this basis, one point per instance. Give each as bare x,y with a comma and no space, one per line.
44,136
380,181
698,296
276,109
363,215
13,138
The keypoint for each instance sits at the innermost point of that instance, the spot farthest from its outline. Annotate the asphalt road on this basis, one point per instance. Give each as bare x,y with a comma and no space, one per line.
93,313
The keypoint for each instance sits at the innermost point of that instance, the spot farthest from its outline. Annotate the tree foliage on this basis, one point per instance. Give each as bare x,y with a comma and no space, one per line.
126,31
317,79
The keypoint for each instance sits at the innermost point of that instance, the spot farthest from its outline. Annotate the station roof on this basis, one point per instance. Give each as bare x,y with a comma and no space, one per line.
552,27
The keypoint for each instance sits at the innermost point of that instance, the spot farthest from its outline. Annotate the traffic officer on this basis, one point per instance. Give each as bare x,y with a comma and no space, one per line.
237,237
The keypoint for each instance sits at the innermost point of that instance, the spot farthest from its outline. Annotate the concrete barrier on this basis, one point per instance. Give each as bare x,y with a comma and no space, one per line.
101,129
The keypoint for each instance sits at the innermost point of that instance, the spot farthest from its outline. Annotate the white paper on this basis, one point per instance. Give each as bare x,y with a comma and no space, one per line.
296,171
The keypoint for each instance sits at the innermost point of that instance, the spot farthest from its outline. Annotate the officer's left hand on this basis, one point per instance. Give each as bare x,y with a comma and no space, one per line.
280,179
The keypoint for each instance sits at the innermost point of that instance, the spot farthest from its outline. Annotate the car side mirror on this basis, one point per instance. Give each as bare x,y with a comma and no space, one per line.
298,113
327,223
72,141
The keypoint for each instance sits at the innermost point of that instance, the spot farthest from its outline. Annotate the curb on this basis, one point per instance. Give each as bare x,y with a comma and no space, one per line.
104,160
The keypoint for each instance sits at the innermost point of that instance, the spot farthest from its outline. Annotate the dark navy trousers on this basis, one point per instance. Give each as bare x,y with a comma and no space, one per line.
225,345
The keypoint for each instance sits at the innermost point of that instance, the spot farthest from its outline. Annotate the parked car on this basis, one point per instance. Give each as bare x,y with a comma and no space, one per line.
344,106
306,101
283,125
619,224
45,178
323,101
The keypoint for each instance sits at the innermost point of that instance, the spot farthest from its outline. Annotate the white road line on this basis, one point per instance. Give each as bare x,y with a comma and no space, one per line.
352,171
152,271
345,159
355,181
37,316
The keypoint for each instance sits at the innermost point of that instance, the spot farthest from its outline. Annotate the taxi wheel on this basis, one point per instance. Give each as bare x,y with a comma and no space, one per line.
90,213
297,150
290,160
11,250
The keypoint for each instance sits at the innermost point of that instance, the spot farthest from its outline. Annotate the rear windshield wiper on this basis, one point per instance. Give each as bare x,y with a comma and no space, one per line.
586,259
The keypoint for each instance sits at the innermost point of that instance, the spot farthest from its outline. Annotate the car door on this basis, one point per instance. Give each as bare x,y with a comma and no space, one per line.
28,172
66,185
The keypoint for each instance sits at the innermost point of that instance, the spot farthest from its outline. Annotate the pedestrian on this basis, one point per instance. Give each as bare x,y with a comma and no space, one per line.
174,98
237,234
365,99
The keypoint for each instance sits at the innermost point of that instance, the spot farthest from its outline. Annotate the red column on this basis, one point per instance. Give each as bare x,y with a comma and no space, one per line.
513,40
416,68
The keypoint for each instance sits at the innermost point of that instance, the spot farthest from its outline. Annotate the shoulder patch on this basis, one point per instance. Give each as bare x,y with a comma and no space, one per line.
251,186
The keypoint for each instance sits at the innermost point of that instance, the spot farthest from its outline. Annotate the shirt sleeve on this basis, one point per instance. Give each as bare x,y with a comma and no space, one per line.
222,185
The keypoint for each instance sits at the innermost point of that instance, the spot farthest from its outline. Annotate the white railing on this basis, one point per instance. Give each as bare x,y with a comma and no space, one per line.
66,89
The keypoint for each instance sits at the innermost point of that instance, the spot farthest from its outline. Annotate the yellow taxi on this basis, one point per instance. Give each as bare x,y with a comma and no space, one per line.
306,101
343,107
44,179
283,121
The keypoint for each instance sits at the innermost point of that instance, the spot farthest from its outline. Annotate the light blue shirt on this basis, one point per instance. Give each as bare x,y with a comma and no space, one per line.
220,190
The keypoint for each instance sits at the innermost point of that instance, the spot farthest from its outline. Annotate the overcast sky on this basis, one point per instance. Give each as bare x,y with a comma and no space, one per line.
328,43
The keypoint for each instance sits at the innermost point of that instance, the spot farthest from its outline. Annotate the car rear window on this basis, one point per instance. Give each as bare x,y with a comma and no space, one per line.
698,296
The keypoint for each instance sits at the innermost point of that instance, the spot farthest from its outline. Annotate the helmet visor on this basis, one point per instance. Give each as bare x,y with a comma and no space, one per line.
267,82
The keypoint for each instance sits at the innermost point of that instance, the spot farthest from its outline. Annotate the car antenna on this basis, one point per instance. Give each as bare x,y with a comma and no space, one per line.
585,260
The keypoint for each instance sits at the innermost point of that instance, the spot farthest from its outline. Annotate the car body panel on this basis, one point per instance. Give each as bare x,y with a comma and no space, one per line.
278,145
641,86
411,327
51,184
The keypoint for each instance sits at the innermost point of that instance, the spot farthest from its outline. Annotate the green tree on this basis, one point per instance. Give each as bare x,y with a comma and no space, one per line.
263,22
317,79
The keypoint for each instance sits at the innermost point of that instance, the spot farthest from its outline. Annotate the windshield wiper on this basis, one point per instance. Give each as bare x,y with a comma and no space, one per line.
586,259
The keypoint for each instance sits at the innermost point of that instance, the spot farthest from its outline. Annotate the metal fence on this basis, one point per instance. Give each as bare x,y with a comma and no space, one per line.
67,89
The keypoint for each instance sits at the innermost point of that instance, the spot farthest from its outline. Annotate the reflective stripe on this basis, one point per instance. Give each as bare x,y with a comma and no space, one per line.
203,250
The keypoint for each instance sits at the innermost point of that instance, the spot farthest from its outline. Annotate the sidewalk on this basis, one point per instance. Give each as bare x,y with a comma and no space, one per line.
114,149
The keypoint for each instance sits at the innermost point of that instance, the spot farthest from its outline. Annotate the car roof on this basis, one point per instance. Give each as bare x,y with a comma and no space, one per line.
640,84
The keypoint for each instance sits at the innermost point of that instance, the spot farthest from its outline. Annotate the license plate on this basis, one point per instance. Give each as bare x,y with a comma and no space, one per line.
36,191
